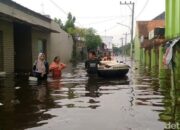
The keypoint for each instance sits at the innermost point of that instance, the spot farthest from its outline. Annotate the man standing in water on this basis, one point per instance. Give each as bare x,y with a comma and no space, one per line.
92,63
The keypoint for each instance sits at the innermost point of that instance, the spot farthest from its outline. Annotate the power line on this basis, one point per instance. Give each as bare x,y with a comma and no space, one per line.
55,4
103,21
62,10
99,17
110,28
145,5
132,25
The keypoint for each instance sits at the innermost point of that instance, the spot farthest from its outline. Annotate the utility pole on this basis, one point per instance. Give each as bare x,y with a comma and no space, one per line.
125,44
132,26
122,47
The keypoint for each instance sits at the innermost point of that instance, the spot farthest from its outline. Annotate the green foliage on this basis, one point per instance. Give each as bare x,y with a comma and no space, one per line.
116,50
70,24
80,32
92,40
124,50
59,22
87,35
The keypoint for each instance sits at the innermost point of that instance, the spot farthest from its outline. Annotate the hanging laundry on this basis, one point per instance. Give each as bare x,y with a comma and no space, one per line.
167,58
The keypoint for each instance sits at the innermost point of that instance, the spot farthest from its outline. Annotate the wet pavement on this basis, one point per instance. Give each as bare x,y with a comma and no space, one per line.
141,101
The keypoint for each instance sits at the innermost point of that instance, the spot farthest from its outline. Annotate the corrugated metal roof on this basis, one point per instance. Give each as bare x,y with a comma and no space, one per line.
160,16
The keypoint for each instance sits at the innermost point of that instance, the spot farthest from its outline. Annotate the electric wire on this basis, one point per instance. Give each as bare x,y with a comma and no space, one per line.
145,5
62,10
57,6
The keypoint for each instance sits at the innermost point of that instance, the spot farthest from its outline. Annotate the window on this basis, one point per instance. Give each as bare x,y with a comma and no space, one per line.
41,47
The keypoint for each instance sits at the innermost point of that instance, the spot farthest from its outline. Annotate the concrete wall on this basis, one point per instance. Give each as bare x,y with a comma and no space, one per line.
137,47
8,45
177,67
61,44
57,44
154,57
39,35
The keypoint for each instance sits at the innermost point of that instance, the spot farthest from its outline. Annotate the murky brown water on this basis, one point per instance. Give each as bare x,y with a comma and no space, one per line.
141,101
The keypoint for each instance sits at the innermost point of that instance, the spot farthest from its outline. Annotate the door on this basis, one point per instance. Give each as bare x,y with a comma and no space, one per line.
23,48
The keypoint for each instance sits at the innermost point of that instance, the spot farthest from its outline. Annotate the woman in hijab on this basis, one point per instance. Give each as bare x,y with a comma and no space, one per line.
41,67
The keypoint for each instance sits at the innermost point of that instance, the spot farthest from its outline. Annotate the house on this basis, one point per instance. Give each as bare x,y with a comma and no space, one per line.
172,31
149,36
107,40
24,33
102,48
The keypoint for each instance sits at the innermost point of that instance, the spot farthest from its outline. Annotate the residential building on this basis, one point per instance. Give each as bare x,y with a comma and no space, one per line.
24,33
149,36
108,41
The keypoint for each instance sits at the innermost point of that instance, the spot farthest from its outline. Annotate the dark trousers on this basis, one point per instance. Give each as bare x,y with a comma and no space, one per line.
38,75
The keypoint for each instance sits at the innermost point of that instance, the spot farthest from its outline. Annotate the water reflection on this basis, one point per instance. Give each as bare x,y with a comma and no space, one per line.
150,101
23,106
169,85
77,90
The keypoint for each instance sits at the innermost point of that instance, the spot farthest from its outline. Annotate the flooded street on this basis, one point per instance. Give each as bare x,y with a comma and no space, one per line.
141,101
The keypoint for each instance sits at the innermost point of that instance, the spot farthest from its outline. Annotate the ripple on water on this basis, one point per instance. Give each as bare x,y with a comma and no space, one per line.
74,96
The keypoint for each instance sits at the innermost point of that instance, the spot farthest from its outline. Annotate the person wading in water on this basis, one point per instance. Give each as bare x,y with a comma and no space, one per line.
56,67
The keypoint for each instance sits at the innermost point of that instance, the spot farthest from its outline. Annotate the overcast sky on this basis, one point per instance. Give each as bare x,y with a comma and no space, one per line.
102,15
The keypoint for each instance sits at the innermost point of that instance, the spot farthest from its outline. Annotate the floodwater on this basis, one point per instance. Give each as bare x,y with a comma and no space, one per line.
141,101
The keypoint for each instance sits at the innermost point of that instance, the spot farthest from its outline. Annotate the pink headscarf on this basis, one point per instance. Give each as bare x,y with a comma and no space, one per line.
40,67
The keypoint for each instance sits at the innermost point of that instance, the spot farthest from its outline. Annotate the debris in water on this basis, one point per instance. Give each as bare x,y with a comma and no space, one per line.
17,87
16,101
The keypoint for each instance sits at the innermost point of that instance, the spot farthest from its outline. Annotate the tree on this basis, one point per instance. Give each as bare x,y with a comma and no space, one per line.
69,27
91,39
70,24
116,50
59,22
126,49
88,35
